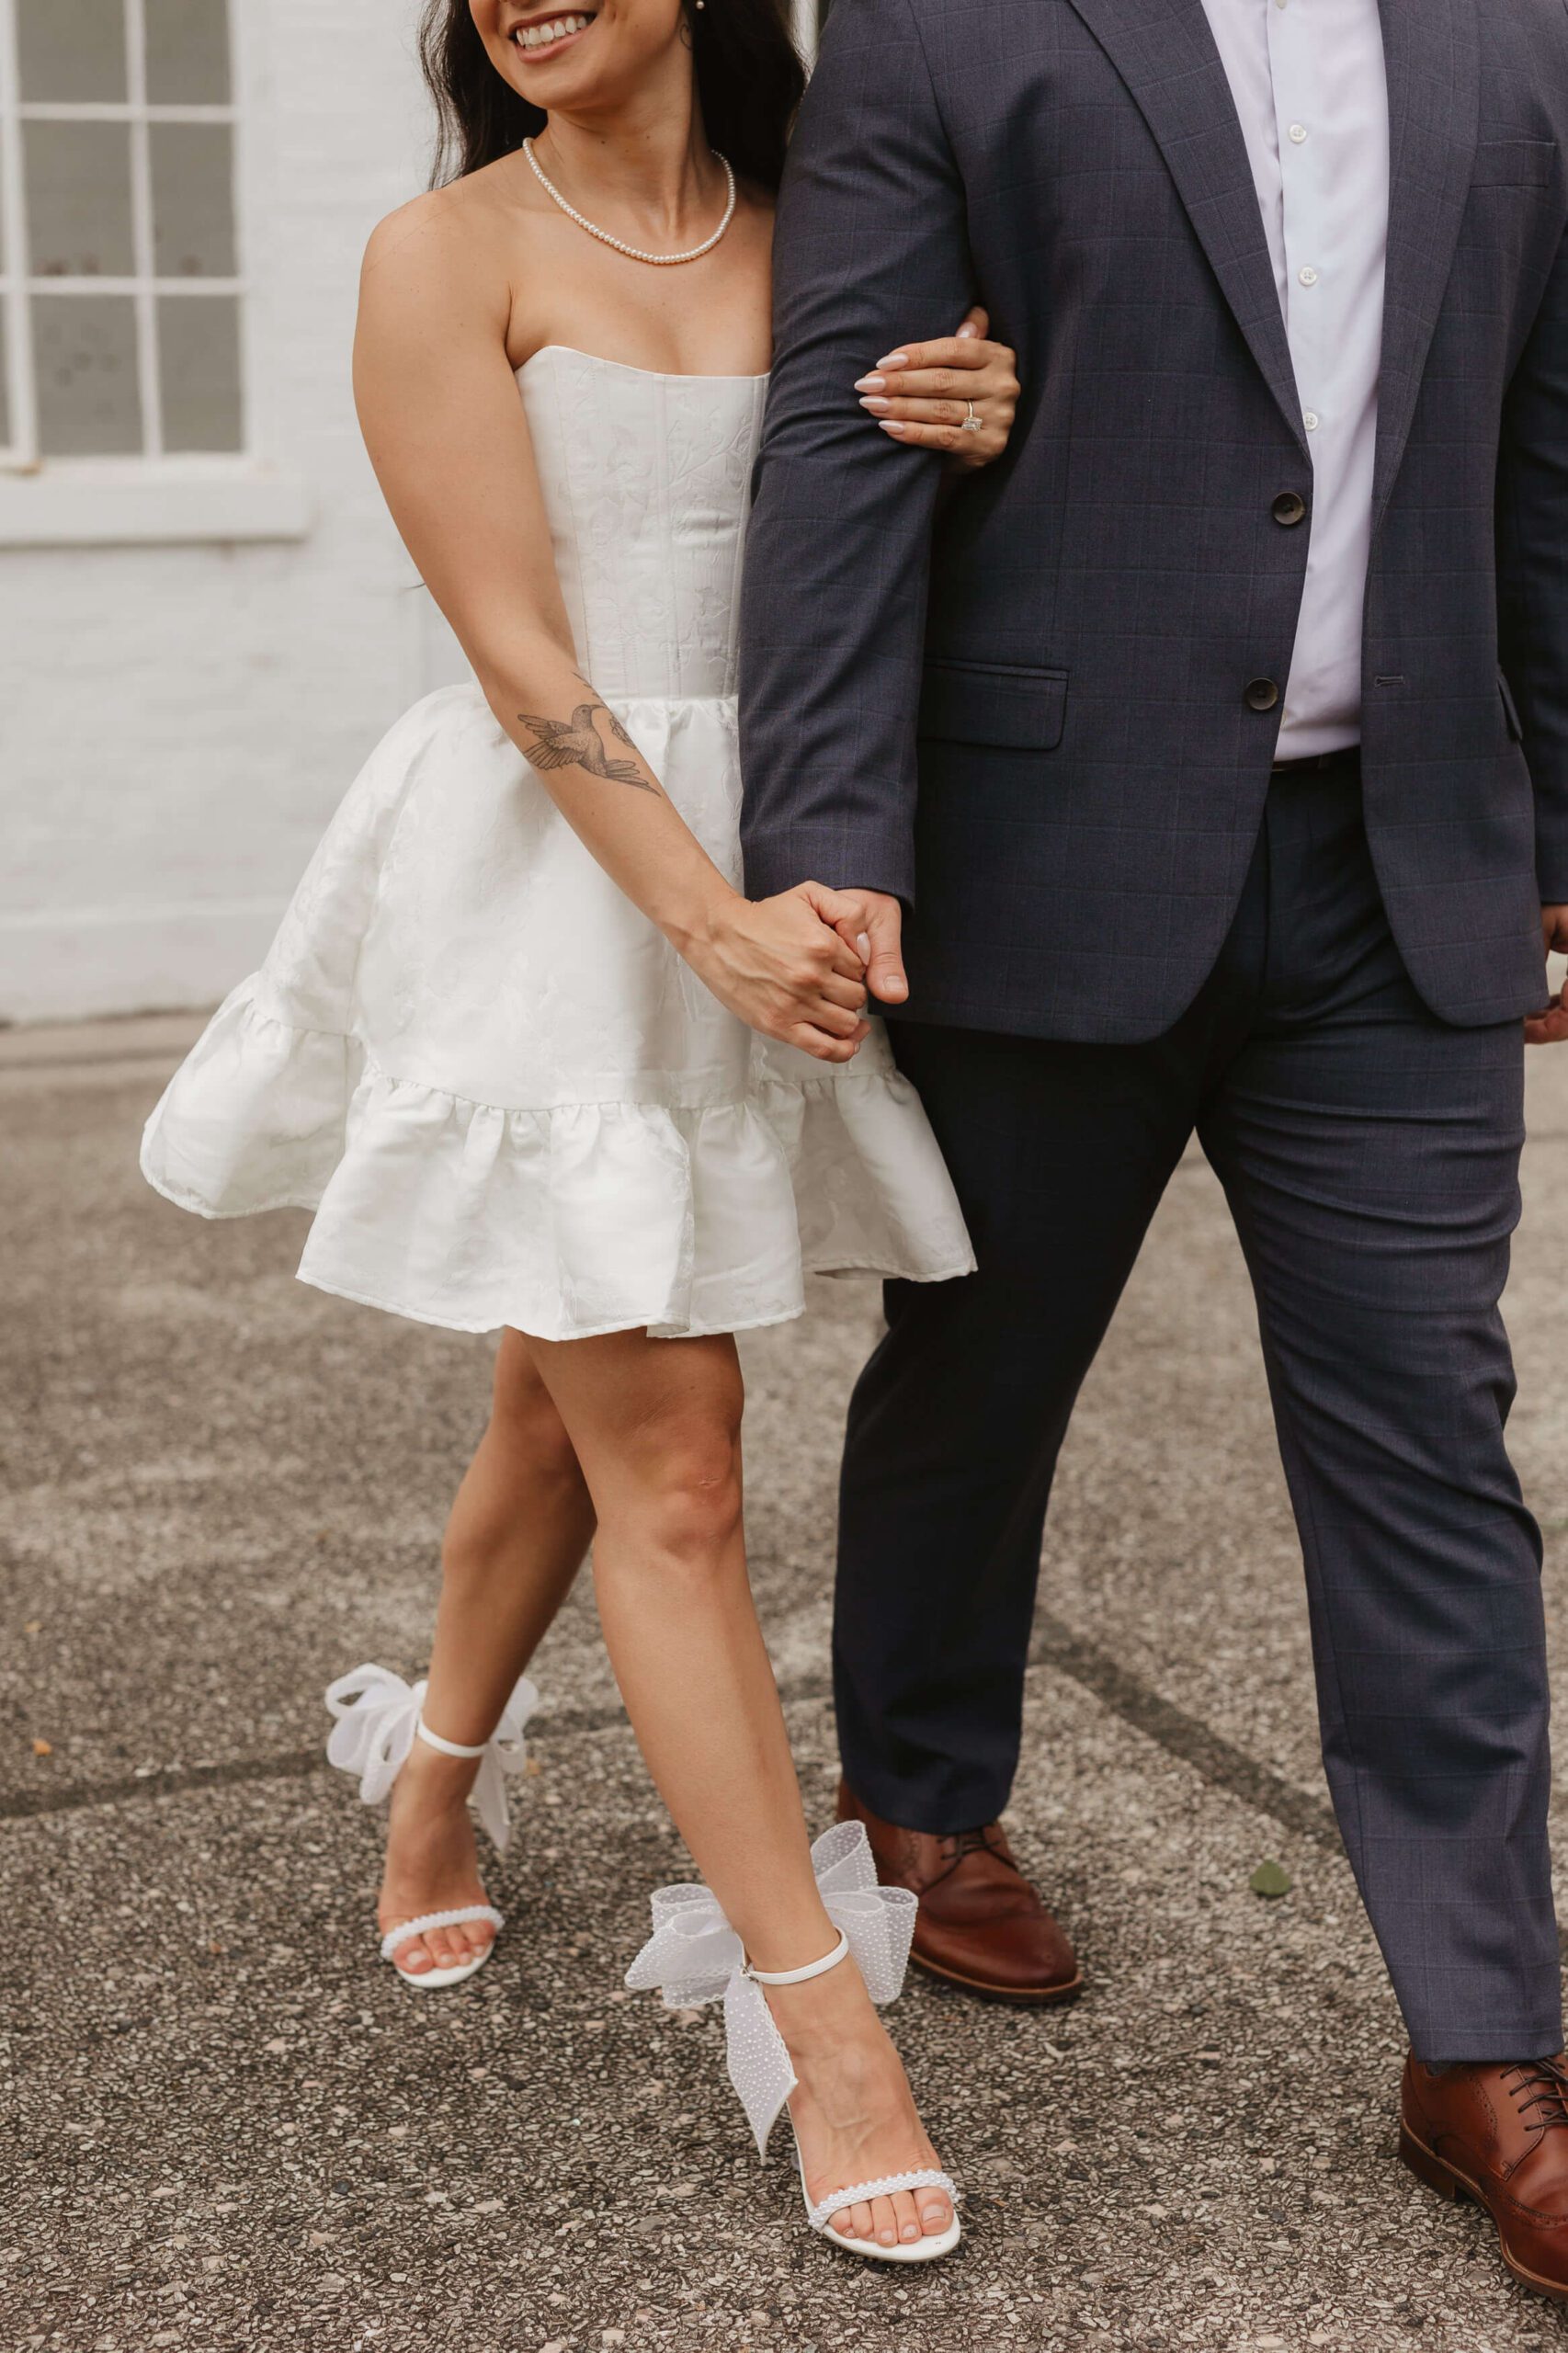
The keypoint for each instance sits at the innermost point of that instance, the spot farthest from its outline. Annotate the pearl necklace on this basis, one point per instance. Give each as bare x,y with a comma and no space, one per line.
658,261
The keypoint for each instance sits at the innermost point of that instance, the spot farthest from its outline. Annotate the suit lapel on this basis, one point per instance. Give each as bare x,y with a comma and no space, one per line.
1432,54
1165,54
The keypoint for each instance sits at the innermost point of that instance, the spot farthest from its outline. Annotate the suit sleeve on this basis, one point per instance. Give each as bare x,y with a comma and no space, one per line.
1532,570
870,245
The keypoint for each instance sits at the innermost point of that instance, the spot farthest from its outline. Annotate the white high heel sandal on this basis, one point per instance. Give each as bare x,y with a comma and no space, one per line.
694,1956
378,1717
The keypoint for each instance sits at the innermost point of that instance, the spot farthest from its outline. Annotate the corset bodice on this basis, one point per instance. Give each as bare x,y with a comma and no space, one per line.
646,480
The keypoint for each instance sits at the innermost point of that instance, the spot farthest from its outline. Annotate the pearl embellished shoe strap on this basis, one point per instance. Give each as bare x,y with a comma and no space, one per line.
860,2193
484,1915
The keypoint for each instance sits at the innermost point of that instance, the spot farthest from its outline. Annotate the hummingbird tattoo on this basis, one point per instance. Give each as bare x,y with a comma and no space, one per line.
575,743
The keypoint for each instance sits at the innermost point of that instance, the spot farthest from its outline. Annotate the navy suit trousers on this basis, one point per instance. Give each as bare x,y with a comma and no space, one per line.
1369,1154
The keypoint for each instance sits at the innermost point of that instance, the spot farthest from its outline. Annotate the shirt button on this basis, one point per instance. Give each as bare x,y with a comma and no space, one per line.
1309,419
1289,509
1309,275
1262,694
1297,134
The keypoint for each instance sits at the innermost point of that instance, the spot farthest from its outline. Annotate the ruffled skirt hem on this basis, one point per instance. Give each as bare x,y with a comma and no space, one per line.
565,1222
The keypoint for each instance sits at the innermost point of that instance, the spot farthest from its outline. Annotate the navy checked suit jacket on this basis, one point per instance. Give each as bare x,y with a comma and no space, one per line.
1020,702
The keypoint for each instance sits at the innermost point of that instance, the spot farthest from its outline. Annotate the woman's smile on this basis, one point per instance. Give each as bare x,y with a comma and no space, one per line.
545,35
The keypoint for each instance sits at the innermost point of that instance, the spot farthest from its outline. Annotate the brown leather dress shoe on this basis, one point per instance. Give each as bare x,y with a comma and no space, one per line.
979,1925
1498,2135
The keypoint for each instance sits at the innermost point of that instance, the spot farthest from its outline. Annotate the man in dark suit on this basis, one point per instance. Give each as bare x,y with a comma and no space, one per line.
1204,766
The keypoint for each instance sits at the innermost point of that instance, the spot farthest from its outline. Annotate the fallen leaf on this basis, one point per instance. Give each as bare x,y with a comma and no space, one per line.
1271,1879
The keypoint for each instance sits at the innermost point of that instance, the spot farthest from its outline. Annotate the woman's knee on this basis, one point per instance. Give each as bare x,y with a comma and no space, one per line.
697,1505
683,1470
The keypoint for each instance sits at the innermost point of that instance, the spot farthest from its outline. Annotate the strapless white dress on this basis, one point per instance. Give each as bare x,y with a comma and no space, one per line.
506,1097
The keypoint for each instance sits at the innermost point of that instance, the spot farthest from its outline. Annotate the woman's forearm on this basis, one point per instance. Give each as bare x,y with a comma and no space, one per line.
608,793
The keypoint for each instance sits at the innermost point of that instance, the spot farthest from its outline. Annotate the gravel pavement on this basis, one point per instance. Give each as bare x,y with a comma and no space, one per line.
225,2125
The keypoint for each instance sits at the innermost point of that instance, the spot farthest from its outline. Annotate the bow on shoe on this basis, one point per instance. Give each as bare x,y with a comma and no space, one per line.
694,1956
377,1715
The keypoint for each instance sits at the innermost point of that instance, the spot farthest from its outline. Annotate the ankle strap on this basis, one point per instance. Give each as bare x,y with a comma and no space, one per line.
799,1976
447,1747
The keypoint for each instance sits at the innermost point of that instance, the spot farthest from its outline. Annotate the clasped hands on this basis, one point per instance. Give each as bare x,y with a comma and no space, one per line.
802,967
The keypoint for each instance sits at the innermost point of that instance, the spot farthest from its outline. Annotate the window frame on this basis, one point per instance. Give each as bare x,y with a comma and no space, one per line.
153,494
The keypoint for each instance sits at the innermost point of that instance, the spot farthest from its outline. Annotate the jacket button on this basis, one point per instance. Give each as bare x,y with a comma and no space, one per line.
1289,509
1262,694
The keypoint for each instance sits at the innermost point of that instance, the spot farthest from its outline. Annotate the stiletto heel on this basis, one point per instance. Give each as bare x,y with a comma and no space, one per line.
694,1956
378,1717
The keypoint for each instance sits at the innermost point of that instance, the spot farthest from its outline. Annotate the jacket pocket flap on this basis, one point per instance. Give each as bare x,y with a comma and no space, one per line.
986,702
1515,163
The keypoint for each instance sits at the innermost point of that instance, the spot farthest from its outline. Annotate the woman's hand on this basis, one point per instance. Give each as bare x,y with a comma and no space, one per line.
923,393
779,964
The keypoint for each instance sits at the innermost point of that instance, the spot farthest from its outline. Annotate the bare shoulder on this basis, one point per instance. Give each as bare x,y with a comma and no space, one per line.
433,264
429,237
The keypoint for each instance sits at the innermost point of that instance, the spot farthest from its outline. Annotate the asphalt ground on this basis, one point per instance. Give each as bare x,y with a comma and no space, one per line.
225,2125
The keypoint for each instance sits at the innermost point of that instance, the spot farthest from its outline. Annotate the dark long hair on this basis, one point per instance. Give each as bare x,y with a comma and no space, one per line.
749,81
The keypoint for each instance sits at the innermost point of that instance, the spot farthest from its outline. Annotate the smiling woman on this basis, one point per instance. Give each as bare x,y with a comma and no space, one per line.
748,74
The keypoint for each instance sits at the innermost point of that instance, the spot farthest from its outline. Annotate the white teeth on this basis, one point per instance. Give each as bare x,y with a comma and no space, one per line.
540,35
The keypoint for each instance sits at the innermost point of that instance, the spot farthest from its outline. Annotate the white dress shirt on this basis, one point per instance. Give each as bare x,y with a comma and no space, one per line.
1310,87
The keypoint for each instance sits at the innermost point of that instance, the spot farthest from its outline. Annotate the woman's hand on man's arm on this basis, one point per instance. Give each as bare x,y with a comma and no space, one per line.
959,393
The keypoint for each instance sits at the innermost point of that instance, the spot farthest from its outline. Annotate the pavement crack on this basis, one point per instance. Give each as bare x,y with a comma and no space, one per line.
1208,1753
1214,1758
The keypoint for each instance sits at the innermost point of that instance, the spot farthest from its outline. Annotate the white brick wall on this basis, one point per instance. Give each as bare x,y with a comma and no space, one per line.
177,723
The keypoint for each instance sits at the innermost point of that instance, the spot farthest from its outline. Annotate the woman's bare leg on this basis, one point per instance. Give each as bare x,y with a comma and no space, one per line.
655,1425
517,1535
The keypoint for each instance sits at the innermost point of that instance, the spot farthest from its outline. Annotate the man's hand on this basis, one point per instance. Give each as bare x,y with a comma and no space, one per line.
1550,1028
782,966
875,931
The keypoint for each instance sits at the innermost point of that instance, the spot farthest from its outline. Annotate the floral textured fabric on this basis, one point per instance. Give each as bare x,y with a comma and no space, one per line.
504,1094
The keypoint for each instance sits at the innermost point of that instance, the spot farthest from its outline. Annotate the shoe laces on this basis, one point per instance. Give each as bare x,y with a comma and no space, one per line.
1540,2084
957,1844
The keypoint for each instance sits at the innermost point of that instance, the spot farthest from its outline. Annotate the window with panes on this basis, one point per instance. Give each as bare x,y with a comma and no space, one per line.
122,297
